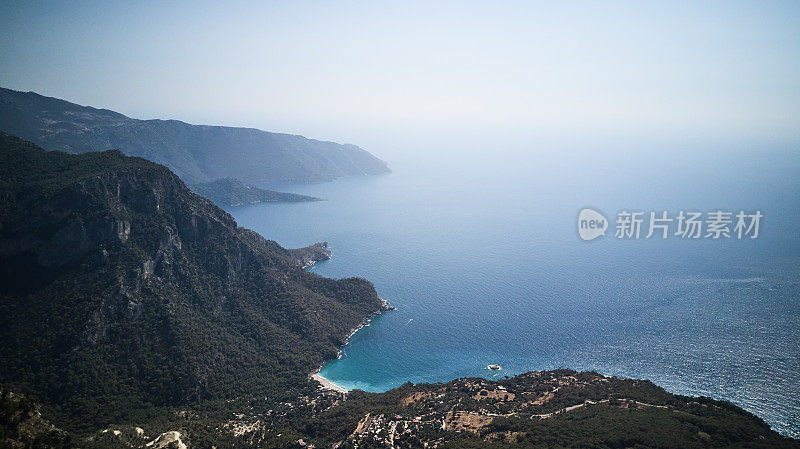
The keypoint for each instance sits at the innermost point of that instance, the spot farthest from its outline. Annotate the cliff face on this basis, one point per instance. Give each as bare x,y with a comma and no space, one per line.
195,153
120,289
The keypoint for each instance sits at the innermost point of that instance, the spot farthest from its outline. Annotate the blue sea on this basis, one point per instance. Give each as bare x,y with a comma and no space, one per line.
477,248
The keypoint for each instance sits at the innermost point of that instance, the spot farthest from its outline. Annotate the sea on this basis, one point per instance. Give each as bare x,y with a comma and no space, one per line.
476,245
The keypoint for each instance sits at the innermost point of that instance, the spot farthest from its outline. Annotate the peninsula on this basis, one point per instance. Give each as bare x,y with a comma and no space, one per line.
233,192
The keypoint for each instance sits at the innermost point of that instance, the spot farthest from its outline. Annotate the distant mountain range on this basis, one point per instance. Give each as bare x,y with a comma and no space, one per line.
196,153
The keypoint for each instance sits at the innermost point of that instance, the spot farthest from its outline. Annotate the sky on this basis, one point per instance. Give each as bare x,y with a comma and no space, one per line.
362,71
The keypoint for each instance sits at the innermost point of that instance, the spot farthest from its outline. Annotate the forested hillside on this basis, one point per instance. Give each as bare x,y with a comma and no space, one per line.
121,290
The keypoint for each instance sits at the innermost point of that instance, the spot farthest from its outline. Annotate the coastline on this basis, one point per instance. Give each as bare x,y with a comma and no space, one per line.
326,383
330,385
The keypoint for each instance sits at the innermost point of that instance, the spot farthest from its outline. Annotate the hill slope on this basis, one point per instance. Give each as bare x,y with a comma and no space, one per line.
121,290
548,409
560,408
196,153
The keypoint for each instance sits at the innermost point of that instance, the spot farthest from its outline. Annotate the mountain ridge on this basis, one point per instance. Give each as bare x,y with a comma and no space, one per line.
196,153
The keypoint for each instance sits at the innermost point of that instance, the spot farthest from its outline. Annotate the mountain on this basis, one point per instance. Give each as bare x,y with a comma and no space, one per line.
233,192
196,153
121,291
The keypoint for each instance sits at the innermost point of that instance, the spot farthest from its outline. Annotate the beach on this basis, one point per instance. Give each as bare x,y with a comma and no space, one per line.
327,384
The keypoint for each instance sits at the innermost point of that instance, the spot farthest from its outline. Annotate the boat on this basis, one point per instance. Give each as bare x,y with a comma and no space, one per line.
494,367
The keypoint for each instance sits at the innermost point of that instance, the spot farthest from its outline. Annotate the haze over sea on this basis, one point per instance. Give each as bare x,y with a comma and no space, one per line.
476,246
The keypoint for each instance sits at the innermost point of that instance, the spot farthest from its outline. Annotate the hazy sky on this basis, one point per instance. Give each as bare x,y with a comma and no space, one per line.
347,70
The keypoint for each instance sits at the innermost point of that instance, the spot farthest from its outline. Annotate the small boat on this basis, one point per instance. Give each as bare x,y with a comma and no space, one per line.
494,367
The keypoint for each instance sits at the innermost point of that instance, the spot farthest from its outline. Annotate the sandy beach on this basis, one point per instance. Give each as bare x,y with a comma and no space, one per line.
327,384
330,385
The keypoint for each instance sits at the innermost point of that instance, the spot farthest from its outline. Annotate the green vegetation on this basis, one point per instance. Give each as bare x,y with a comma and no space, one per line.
554,409
21,424
124,293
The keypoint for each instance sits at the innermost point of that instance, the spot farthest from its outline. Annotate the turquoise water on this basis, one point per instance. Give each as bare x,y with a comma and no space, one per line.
479,253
